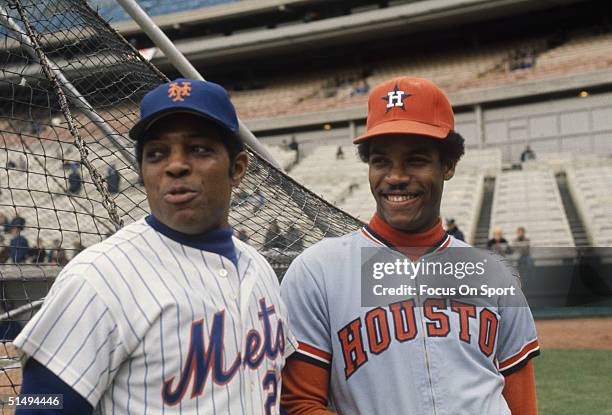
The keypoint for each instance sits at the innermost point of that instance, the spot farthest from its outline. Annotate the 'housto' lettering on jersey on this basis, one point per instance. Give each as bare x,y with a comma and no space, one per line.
203,362
398,323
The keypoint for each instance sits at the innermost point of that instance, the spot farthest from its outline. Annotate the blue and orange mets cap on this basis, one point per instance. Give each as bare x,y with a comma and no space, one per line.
202,98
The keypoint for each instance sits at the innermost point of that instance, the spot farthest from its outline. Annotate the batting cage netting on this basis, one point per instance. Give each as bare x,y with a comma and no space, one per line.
69,93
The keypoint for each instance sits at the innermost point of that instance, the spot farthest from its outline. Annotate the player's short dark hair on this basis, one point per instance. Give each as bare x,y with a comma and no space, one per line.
450,149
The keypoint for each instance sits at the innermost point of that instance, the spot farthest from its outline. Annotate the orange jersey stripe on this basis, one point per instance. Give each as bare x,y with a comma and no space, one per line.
529,347
313,352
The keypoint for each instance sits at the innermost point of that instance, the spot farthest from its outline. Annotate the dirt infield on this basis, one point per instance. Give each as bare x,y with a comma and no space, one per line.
580,333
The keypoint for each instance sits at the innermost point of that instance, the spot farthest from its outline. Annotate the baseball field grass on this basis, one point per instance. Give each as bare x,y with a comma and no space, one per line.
574,382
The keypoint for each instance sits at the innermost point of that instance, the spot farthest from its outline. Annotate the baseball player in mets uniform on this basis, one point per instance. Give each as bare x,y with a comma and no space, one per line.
170,315
436,356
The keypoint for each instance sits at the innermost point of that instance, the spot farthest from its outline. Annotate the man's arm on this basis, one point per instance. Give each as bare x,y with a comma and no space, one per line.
307,371
520,391
305,388
37,379
75,338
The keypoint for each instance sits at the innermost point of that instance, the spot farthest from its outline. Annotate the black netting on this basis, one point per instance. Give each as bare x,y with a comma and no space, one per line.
69,92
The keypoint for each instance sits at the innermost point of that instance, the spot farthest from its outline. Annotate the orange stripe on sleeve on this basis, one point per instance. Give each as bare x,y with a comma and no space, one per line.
315,353
525,352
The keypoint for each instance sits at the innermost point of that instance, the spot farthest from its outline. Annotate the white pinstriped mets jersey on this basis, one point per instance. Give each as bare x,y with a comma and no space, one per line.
144,324
439,357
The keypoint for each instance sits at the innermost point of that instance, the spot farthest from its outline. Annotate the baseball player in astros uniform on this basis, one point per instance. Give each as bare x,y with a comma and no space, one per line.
436,356
170,315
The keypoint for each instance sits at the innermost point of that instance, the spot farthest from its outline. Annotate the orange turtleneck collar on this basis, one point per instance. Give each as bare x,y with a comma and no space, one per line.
413,245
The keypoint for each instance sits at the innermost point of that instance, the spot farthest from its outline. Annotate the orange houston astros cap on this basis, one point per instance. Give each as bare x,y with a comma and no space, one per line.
408,105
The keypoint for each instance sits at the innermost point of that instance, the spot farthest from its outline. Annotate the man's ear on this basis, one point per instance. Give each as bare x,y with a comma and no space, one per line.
449,170
239,168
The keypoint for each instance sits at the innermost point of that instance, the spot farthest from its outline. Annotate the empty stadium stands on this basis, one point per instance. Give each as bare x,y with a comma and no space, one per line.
531,199
452,70
329,177
461,201
591,189
486,161
286,158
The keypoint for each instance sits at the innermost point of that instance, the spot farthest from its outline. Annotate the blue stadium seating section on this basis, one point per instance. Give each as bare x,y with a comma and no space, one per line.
110,10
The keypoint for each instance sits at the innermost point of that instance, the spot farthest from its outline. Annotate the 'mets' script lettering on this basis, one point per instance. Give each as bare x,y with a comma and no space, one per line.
380,327
203,361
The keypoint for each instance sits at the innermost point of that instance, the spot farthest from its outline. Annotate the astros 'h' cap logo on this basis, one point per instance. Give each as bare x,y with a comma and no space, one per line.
178,93
395,98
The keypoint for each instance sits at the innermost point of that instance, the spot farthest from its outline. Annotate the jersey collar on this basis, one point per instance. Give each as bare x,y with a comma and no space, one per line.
413,245
218,241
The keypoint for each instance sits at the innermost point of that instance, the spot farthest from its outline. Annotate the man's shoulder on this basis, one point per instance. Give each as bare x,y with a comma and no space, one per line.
331,247
110,251
458,243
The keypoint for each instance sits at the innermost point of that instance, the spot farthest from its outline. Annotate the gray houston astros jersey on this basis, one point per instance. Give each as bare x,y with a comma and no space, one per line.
142,324
401,359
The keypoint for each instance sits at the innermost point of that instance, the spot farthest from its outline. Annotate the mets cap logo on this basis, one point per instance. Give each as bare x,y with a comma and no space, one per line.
178,93
396,98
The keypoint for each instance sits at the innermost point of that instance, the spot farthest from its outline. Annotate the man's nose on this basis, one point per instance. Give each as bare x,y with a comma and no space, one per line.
397,177
178,164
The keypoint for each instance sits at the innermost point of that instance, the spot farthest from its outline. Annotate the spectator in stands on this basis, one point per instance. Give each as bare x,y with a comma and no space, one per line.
522,58
38,254
239,196
339,153
74,182
77,247
294,145
242,235
498,243
362,89
295,238
527,154
18,247
521,245
311,15
17,222
112,179
274,237
70,165
10,164
453,229
258,200
57,255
